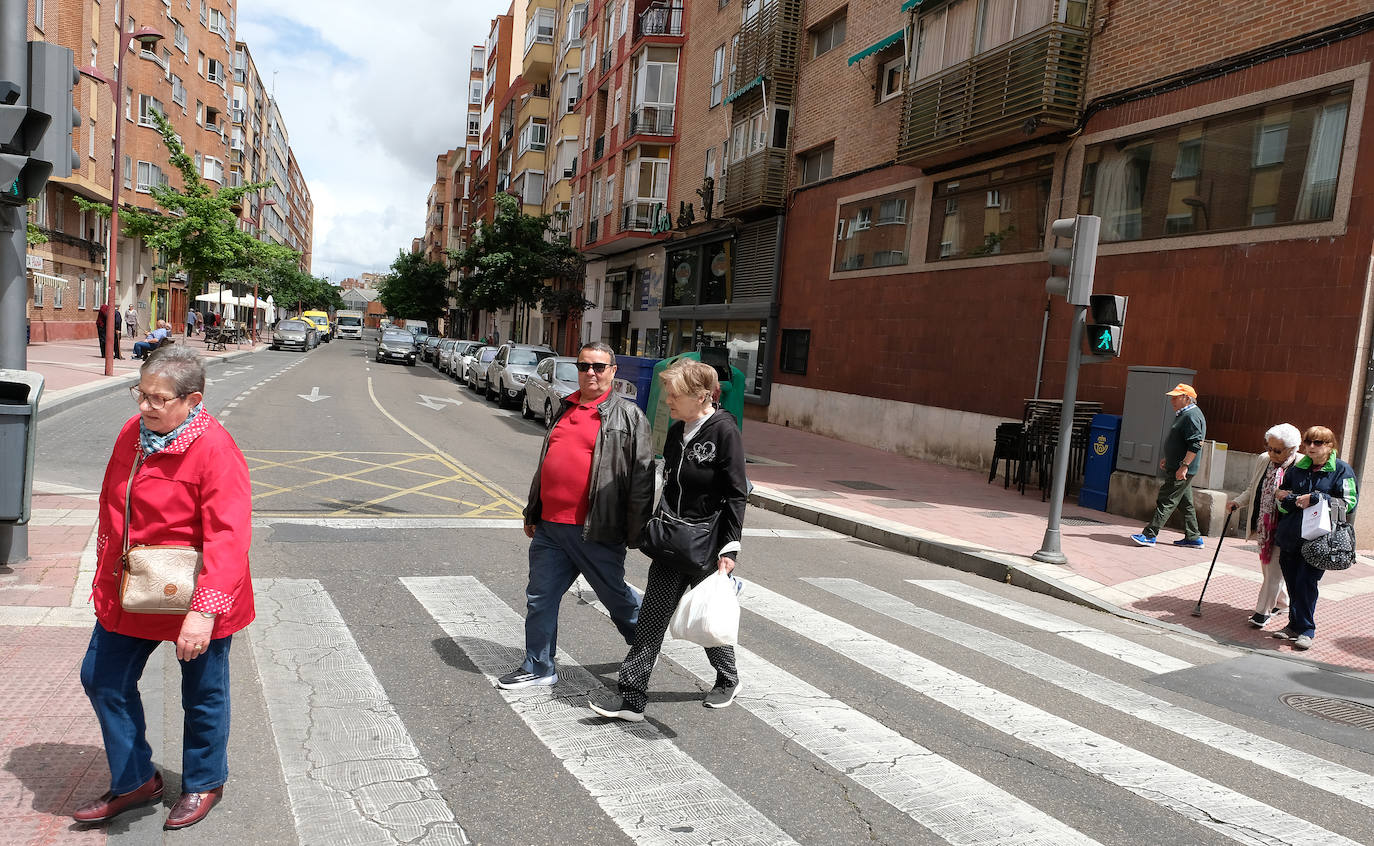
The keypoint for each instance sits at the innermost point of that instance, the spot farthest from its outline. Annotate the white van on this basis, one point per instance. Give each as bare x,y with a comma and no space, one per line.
349,324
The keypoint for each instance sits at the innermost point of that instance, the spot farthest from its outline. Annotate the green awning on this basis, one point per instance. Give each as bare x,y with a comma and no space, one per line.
756,81
910,4
877,45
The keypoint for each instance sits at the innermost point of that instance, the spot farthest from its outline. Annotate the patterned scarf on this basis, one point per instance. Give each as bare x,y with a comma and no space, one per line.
152,443
1268,513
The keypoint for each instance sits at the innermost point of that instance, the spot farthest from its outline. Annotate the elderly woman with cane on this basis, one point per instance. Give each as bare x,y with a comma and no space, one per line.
176,483
1281,451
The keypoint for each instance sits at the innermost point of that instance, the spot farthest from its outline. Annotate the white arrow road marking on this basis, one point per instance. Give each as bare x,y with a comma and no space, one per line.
436,403
313,396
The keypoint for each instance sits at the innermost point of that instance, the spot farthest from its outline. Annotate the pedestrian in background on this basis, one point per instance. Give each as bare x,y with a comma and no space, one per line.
590,498
1180,463
703,459
102,317
1318,475
119,333
190,322
200,324
186,483
131,320
1282,450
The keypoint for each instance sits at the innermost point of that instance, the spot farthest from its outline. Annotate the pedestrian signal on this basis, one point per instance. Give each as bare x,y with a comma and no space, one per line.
1106,322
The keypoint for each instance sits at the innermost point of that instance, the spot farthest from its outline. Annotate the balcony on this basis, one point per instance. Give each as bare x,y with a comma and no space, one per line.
757,183
606,61
538,60
599,150
652,120
593,234
659,19
768,49
1027,88
638,216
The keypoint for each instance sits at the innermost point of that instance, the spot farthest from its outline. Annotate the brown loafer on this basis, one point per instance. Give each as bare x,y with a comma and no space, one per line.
110,805
191,808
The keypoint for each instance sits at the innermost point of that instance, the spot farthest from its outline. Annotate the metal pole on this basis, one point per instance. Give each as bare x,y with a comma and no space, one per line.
1049,548
1040,359
116,180
14,284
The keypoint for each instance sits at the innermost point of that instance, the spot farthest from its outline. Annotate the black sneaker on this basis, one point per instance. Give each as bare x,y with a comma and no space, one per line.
519,678
1258,620
721,696
613,707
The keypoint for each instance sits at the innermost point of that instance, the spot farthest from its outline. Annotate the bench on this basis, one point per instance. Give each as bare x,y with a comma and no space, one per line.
215,338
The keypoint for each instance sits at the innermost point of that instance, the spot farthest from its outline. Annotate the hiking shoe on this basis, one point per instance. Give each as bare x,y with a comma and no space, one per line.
1283,634
518,678
721,696
613,707
1195,543
1303,642
1143,539
1258,620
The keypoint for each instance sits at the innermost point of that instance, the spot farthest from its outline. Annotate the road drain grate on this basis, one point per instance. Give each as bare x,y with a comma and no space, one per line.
1081,521
1330,708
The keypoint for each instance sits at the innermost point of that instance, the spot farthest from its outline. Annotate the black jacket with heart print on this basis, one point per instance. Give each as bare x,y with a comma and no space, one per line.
707,477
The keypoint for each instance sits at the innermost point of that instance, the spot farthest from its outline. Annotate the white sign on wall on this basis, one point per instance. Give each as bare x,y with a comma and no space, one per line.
33,262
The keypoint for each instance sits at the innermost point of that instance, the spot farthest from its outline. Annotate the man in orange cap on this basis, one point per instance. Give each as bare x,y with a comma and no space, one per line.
1180,463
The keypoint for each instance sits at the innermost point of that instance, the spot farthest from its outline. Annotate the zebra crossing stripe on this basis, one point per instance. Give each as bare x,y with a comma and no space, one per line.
1094,639
353,773
649,787
947,799
1204,802
1251,748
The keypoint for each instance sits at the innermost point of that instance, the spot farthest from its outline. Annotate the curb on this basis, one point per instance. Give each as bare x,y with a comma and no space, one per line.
50,404
989,563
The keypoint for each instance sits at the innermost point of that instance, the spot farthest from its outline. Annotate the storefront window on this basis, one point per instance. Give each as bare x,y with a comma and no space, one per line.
681,286
991,213
874,232
716,275
743,341
1266,166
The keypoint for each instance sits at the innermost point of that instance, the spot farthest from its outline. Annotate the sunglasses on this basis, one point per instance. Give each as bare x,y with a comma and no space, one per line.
598,366
1315,442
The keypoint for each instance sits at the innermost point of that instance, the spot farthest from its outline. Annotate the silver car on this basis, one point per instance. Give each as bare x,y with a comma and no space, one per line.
477,370
444,354
396,345
295,333
554,379
514,363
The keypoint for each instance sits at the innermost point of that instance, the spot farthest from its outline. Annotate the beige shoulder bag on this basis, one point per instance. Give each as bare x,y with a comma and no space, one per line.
157,579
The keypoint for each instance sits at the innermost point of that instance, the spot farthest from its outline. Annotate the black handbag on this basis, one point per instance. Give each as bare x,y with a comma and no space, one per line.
1334,550
686,545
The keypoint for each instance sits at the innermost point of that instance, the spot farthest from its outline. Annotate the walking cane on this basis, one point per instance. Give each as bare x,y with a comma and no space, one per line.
1197,611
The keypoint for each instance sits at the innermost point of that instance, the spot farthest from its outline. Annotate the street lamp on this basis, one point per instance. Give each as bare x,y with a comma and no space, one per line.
262,207
148,38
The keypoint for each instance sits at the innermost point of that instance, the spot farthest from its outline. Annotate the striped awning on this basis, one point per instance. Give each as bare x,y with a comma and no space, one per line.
910,4
748,86
877,45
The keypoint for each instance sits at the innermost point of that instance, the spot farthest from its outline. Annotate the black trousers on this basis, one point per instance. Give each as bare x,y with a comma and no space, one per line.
662,592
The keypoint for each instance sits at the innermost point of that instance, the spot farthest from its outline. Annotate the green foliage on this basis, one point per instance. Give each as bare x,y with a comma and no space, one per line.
511,257
32,234
416,287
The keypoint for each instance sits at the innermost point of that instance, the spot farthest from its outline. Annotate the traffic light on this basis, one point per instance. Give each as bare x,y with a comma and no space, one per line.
1080,257
1106,322
20,129
36,123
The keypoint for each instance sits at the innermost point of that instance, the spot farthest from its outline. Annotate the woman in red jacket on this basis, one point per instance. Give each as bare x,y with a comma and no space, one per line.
190,488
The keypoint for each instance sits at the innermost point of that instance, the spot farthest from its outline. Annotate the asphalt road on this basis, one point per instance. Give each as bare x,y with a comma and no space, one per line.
390,572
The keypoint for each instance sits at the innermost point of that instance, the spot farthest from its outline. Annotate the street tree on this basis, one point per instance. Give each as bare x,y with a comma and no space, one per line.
415,287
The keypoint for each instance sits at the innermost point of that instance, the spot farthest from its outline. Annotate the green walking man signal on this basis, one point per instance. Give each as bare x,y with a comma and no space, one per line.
1106,322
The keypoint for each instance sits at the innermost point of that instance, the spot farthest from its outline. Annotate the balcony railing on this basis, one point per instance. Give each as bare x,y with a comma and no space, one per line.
757,182
606,61
599,149
660,19
593,233
638,216
768,49
540,90
1025,88
652,120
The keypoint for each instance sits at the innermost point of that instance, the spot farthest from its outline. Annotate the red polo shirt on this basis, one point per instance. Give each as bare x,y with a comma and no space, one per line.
566,474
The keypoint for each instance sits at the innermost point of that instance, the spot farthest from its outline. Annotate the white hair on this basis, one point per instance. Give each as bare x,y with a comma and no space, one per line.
1286,432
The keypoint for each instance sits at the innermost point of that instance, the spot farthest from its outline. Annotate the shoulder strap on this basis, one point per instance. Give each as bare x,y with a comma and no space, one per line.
128,492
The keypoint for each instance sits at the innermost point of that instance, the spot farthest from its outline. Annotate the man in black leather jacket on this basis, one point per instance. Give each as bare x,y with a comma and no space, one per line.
590,497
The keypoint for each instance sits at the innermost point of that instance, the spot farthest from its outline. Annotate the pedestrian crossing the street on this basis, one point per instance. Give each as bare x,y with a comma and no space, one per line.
363,780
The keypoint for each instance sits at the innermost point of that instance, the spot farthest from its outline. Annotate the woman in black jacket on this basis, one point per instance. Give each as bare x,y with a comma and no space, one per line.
704,463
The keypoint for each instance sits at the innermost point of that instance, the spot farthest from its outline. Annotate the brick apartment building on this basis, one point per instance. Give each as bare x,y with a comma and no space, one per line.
185,77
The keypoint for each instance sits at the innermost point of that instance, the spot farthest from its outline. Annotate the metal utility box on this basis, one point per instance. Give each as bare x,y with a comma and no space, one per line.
19,392
1146,417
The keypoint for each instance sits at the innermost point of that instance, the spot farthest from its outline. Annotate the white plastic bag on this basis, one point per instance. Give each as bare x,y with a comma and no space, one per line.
708,613
1316,520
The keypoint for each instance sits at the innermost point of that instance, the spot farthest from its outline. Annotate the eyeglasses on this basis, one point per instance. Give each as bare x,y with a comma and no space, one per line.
1315,442
155,401
598,366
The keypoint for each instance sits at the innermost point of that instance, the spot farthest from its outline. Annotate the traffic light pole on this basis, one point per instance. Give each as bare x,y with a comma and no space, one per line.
14,288
1050,551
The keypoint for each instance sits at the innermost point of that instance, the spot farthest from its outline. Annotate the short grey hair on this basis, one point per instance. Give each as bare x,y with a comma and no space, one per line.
598,346
1285,432
181,364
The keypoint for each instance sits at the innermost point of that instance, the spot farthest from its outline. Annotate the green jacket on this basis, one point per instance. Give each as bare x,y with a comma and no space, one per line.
1185,436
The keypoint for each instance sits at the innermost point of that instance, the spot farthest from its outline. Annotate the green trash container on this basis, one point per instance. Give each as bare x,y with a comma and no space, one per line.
731,392
19,392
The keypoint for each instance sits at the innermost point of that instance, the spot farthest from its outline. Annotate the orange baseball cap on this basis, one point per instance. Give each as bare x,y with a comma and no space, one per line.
1182,390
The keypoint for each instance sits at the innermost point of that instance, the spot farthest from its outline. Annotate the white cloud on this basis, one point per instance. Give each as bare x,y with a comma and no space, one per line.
371,92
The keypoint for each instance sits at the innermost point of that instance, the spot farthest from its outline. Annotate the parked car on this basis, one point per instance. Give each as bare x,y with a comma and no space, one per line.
553,379
420,333
443,354
514,363
396,345
429,350
463,358
321,321
295,333
477,371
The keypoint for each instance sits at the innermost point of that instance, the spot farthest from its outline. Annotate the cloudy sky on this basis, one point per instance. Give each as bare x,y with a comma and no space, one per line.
371,92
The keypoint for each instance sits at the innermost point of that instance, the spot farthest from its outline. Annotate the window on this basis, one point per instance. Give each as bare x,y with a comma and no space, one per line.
57,291
38,14
748,137
750,8
534,135
717,75
796,347
37,293
178,92
952,33
540,28
128,172
828,35
81,293
816,165
475,94
710,162
474,125
204,12
147,106
90,138
890,76
218,24
179,38
859,243
1270,165
149,175
214,71
989,213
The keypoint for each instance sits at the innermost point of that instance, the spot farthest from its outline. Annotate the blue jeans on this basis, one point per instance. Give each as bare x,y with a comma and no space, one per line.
142,348
557,555
110,674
